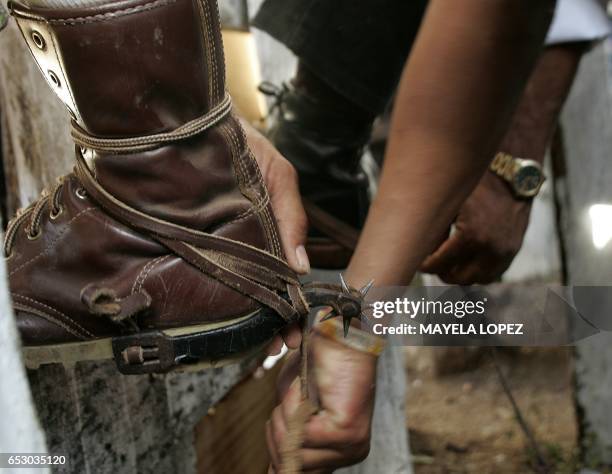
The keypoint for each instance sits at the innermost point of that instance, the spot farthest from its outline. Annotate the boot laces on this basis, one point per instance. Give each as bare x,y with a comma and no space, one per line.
276,93
34,212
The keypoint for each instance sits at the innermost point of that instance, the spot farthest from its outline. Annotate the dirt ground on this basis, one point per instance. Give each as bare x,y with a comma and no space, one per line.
463,422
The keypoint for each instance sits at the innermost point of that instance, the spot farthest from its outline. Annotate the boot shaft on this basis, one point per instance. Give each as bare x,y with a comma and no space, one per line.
138,68
132,67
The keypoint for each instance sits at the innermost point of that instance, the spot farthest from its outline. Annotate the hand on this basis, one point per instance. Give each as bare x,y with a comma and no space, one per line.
492,222
489,232
281,180
344,383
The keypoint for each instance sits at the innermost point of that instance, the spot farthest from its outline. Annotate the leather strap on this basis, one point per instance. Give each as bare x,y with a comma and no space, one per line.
244,268
150,142
230,278
154,226
337,230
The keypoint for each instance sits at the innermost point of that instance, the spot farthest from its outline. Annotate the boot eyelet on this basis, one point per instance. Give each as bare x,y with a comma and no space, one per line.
38,40
55,213
54,79
81,193
32,236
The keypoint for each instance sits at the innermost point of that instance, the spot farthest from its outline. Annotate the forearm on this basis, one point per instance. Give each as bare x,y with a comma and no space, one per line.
455,99
537,114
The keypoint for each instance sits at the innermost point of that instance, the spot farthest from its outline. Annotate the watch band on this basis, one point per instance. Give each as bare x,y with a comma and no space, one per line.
519,173
504,165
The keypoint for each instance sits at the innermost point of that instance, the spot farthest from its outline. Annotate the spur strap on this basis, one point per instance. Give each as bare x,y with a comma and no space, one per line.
337,230
223,259
150,142
247,269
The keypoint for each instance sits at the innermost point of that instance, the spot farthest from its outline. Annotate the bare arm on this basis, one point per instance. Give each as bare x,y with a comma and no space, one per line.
491,223
455,100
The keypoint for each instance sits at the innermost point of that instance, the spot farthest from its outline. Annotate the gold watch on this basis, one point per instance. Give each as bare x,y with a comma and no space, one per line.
524,176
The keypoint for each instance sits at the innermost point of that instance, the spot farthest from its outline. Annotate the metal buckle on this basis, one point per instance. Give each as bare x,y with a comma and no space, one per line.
145,353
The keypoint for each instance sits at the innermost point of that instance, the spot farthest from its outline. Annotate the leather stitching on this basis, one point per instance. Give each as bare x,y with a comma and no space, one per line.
124,212
212,87
49,318
282,307
209,58
240,175
219,49
146,270
239,152
256,208
65,318
264,212
52,242
246,181
262,199
273,230
110,15
150,142
228,135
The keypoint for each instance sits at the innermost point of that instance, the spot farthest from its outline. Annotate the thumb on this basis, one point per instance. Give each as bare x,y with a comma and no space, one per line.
282,182
290,215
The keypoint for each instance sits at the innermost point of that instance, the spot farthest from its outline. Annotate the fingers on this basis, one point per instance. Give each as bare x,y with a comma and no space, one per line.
273,446
288,374
291,401
290,215
344,384
292,336
482,268
448,255
275,347
326,460
322,433
282,182
323,458
463,260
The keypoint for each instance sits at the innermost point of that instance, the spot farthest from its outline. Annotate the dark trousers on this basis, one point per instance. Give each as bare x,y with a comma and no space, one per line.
358,47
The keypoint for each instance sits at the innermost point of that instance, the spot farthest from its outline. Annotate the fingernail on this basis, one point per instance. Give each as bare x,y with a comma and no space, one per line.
302,259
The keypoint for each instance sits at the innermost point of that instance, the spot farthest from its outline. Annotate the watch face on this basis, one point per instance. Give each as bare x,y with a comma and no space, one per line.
527,180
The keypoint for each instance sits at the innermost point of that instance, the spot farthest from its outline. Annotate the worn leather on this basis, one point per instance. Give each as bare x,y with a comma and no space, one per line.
125,69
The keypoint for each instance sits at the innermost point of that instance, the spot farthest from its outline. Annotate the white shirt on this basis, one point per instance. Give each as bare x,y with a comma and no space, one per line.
578,20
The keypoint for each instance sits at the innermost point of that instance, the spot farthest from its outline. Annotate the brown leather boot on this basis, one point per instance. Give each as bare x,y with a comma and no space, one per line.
161,249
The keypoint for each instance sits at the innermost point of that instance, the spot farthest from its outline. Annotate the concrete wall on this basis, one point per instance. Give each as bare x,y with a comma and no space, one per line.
587,180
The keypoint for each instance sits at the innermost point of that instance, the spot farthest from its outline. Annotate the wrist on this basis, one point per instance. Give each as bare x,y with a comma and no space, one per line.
523,176
356,340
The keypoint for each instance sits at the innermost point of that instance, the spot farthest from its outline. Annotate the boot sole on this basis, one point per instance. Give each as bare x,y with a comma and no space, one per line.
159,351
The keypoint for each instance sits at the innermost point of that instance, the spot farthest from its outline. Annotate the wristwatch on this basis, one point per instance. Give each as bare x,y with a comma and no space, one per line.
524,176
